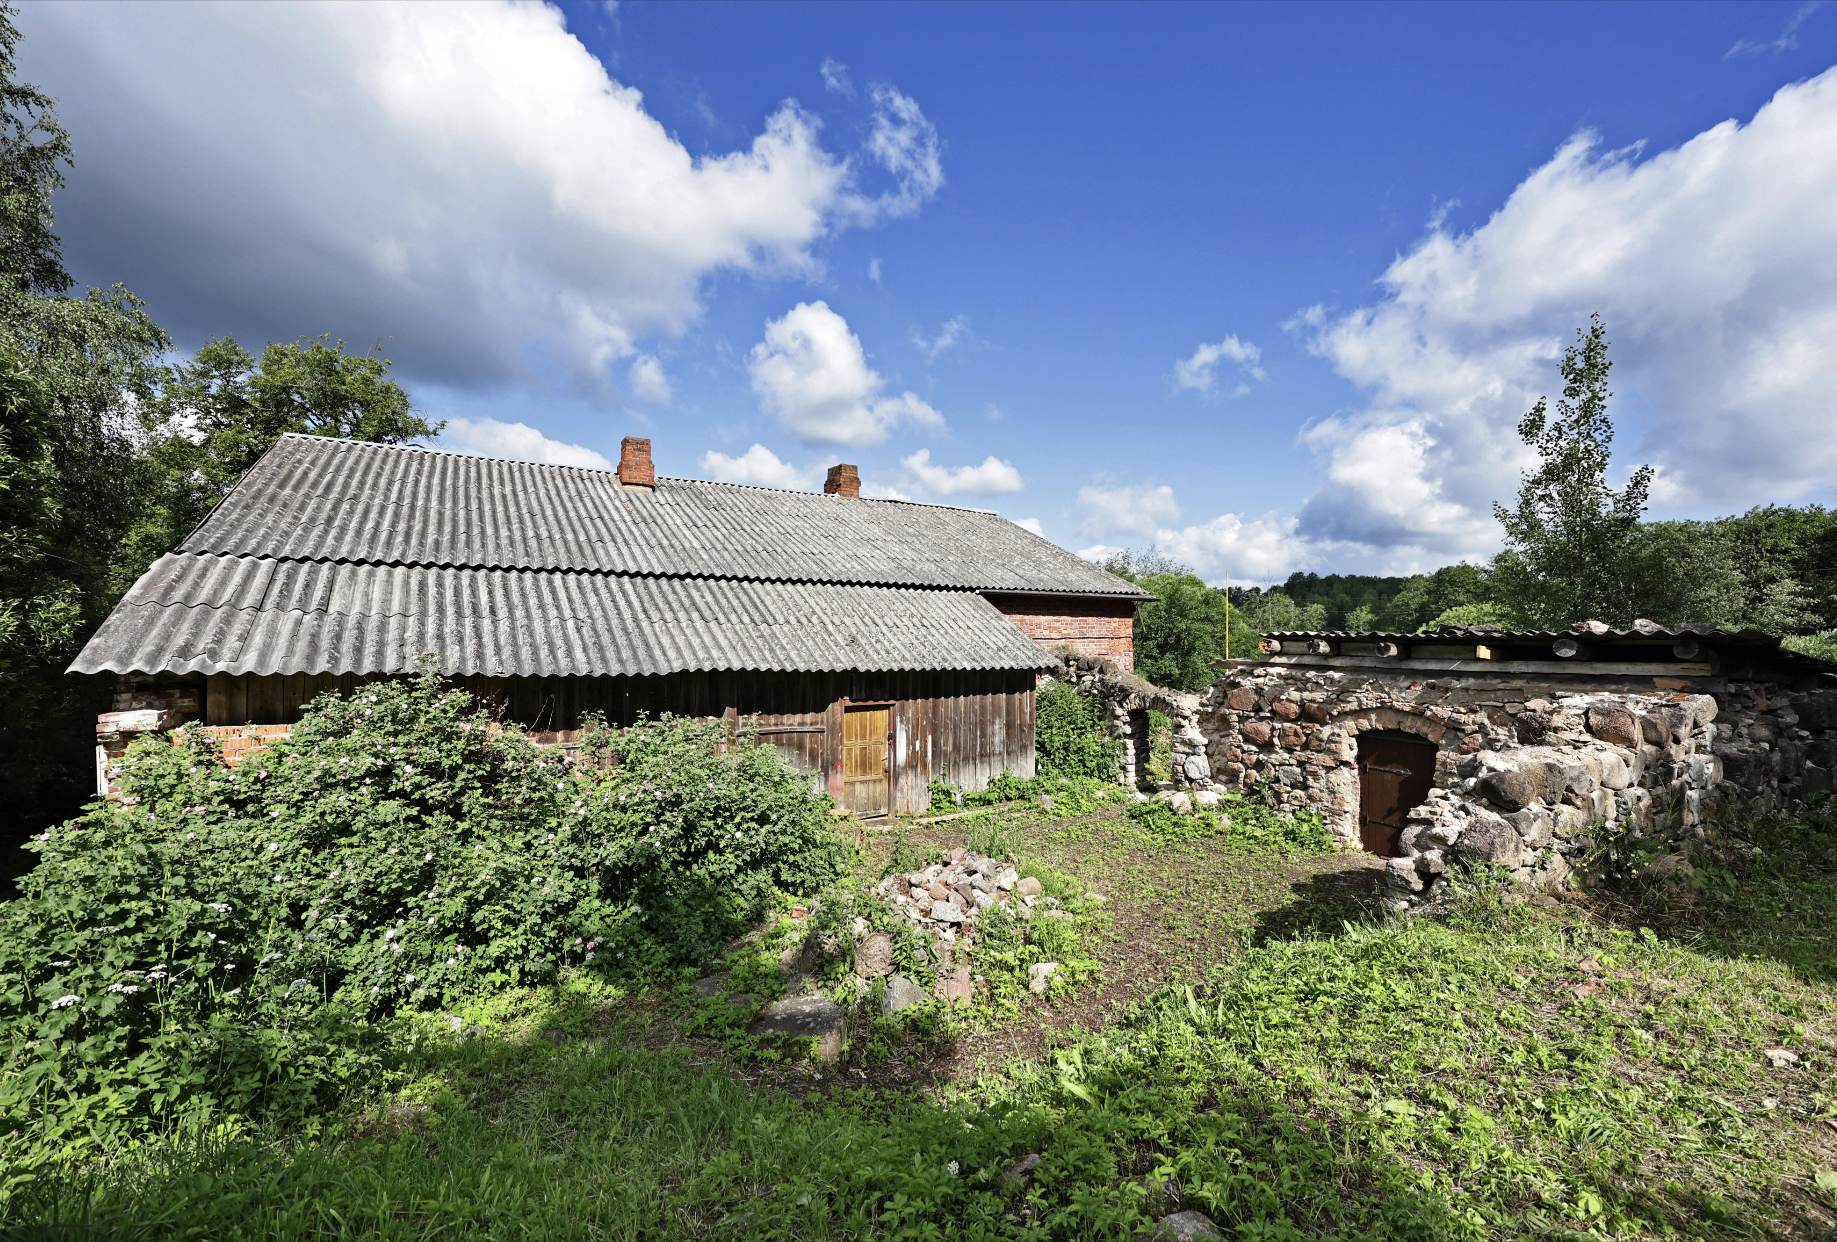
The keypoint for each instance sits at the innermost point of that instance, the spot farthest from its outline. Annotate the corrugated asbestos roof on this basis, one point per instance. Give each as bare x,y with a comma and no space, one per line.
240,614
1758,641
336,556
342,500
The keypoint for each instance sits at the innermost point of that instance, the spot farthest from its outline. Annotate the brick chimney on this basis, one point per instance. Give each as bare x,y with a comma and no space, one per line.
635,463
843,481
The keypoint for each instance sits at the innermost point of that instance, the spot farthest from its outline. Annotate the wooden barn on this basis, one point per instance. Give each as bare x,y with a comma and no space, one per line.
882,642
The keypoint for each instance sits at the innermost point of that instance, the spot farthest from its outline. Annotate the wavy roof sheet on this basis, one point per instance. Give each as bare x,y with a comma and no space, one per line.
316,499
1758,642
236,614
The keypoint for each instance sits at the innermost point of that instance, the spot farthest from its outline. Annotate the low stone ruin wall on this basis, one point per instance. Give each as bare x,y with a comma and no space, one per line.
1524,769
1129,699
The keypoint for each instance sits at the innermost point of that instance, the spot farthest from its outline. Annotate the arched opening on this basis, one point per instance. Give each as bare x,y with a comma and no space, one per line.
1396,772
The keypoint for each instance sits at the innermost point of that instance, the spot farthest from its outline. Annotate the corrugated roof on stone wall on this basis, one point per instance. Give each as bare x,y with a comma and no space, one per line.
316,499
1758,641
237,614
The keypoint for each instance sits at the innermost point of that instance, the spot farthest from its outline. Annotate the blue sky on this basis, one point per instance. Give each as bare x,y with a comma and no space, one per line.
1267,286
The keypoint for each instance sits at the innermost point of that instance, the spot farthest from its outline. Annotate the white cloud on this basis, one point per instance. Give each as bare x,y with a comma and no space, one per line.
835,77
1123,511
1030,524
1714,266
993,477
464,180
759,466
811,373
907,145
881,491
950,334
1200,372
648,382
486,437
873,270
1788,38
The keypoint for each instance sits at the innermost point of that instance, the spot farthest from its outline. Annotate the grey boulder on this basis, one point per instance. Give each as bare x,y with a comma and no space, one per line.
1182,1227
804,1017
902,993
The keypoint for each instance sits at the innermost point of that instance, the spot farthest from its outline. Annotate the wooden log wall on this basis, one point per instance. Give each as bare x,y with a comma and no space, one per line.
965,727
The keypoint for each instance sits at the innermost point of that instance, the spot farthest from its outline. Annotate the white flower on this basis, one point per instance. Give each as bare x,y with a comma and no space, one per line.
64,1002
191,836
60,963
408,978
123,988
280,879
234,992
221,907
430,922
272,814
344,760
273,846
451,961
390,934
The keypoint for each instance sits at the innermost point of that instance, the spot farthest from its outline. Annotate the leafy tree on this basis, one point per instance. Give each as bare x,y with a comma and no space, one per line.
1571,539
72,370
1341,595
1180,632
222,410
1470,614
1427,596
34,148
1135,565
1274,612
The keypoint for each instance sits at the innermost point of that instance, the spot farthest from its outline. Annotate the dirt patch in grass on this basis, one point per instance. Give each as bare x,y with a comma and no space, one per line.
1174,911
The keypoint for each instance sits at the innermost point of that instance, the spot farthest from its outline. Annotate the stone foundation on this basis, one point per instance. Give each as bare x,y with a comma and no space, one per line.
1525,769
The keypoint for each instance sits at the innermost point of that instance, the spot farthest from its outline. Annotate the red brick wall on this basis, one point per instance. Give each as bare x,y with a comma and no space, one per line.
1104,628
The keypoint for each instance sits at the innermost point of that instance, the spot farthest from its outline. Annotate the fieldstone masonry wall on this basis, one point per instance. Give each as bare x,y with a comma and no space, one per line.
1524,768
1128,700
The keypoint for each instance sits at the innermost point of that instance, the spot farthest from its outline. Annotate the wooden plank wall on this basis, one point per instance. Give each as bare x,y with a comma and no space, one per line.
965,727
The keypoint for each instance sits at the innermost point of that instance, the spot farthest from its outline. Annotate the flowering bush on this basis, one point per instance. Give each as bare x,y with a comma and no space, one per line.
224,936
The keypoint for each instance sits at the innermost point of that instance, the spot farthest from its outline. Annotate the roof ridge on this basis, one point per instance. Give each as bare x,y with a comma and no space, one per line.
588,571
673,478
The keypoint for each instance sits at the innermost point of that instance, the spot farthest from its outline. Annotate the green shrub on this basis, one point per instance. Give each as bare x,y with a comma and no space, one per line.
1163,822
1256,826
217,938
1072,734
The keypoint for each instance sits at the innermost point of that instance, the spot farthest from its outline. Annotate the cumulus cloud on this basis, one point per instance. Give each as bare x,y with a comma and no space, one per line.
1030,524
951,333
759,466
1138,510
465,180
1200,372
1714,265
648,382
811,373
993,477
486,437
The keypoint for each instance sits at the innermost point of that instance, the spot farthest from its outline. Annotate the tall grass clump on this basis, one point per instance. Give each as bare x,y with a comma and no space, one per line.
1072,734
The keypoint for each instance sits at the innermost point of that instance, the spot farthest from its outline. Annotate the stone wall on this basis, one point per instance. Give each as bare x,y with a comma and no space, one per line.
1524,767
1128,699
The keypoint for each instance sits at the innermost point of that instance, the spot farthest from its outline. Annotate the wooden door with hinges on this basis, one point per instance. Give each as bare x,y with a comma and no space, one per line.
867,760
1396,771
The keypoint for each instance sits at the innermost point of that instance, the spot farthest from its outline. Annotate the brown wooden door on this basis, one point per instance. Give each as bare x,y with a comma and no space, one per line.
1396,771
866,770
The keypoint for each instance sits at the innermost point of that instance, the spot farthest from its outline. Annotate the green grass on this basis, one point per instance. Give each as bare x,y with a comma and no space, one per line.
1591,1069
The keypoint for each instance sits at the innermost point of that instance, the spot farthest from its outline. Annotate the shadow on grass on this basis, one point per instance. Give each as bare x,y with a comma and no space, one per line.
1323,903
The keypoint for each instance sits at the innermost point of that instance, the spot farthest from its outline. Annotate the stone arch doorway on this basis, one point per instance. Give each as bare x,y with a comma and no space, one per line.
1396,772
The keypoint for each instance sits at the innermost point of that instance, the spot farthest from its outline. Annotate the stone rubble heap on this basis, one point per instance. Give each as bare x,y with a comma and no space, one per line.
946,902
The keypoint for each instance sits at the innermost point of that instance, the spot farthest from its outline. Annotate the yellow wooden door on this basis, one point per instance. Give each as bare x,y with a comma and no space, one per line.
866,772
